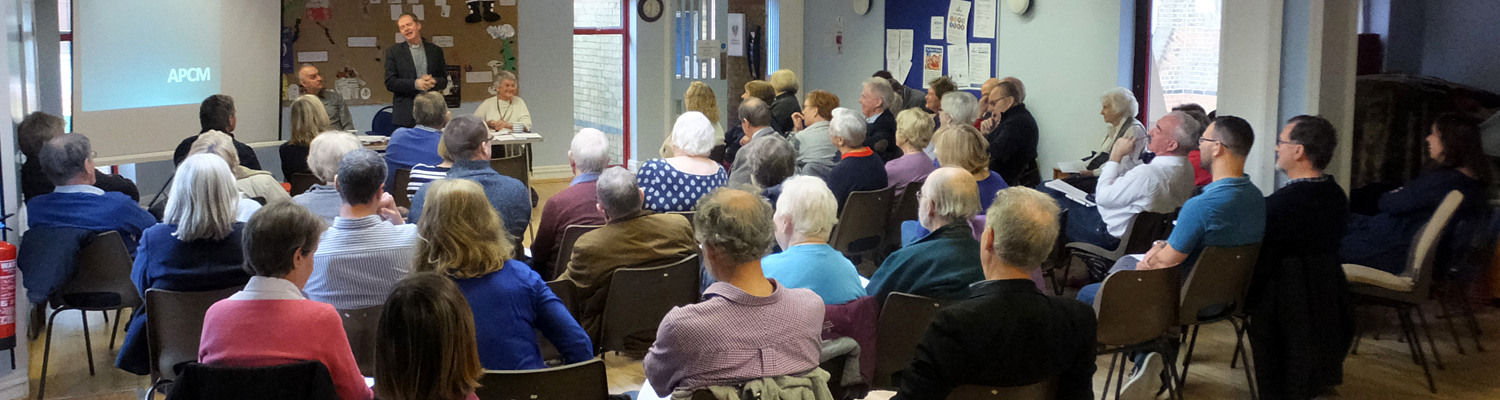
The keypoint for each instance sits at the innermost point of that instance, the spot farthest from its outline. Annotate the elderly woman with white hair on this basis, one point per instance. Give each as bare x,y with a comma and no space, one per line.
195,248
676,183
858,167
323,159
805,214
1119,110
959,108
254,183
506,109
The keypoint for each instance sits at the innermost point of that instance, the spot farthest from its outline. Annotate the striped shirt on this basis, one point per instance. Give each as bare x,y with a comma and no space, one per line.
359,260
423,173
732,337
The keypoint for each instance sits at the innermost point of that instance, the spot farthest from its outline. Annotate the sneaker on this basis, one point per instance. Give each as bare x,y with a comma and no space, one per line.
1145,383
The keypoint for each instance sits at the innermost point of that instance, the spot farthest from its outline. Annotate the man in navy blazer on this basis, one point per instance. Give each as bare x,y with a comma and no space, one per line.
411,68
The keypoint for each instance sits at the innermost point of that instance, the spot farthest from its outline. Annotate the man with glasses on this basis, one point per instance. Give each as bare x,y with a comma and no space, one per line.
1014,136
944,263
68,161
468,142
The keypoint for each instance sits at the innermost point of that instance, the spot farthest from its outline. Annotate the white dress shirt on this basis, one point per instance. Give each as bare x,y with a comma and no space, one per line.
1161,186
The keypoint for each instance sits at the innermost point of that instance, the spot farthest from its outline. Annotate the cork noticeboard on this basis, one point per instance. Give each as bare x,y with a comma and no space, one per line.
347,39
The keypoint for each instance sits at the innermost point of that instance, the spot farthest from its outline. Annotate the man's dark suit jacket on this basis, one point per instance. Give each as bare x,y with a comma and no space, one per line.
401,78
1006,334
246,154
1013,147
884,128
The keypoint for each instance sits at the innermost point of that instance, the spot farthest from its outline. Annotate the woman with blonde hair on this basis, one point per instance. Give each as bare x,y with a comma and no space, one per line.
913,132
785,104
253,183
464,239
700,98
962,146
195,248
309,118
424,344
323,159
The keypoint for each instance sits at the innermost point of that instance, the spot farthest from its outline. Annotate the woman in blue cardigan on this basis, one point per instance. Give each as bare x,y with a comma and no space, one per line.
463,239
195,248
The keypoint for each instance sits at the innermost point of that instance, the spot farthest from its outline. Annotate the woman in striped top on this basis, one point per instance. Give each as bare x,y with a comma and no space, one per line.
421,174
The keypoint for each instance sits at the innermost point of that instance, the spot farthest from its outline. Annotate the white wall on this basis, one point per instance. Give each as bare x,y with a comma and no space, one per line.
545,66
863,54
1249,78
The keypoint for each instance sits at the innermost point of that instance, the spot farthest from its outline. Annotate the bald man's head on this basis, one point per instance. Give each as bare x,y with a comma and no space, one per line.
1020,92
953,194
310,80
736,224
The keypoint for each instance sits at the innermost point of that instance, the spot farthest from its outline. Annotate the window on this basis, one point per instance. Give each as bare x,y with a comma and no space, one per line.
1184,55
65,55
696,22
601,67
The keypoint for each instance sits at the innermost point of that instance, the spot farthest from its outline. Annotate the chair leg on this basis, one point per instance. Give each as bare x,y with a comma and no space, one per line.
1249,369
1109,375
41,391
1174,389
1120,380
1437,358
1239,346
1447,313
1408,326
1187,359
116,330
88,346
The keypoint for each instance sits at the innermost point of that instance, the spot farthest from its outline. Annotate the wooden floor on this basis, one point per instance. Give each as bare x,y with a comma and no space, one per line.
1382,370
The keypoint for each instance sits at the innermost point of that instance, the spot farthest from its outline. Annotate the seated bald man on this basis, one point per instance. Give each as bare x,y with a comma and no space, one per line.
945,262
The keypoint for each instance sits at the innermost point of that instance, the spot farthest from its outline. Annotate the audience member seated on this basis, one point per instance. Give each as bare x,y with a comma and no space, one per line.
252,182
699,98
736,138
747,326
503,111
425,345
1299,298
815,151
962,146
755,118
1382,241
269,322
468,143
875,100
1119,110
1013,139
959,108
1230,212
333,103
859,168
576,205
463,239
1009,333
421,174
676,183
417,145
367,249
217,114
33,132
68,162
805,215
326,151
943,263
1161,186
308,120
195,248
772,161
987,118
913,133
910,98
630,237
937,88
1201,176
784,82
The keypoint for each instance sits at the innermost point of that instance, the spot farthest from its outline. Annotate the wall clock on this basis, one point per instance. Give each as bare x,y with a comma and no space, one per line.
651,10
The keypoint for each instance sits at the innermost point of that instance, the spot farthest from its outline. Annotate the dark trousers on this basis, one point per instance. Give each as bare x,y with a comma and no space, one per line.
1084,222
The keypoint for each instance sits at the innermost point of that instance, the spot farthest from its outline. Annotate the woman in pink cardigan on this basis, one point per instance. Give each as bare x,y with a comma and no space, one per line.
270,322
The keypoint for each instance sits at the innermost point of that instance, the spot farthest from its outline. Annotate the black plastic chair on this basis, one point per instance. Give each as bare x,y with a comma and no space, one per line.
579,381
381,124
903,208
399,192
639,298
302,182
101,283
565,248
1219,281
1044,390
306,380
360,326
175,330
862,227
903,320
1147,227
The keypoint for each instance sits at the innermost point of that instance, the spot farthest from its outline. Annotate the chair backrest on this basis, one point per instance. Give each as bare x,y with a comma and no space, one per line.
1221,276
301,182
580,381
565,290
102,270
639,298
399,192
902,322
360,326
1147,227
381,125
1424,245
1044,390
862,224
1134,307
513,166
565,248
175,328
305,380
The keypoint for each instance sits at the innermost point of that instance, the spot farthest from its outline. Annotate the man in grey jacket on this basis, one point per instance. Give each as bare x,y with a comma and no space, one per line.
755,116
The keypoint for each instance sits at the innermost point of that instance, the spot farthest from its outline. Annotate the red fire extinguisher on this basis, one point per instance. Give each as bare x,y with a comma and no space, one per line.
8,298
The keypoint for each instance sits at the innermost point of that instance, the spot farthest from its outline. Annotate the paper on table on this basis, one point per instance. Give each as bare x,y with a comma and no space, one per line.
979,63
478,77
958,64
312,56
420,11
958,22
932,64
443,41
984,19
1071,192
363,41
395,12
938,25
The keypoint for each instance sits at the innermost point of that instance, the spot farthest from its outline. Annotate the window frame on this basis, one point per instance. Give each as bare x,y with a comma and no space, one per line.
625,39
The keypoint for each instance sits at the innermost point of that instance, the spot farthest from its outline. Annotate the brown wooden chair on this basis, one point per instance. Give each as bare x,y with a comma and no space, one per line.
899,328
175,329
360,326
1136,312
399,192
862,227
1215,291
579,381
301,182
1147,227
565,248
639,298
101,282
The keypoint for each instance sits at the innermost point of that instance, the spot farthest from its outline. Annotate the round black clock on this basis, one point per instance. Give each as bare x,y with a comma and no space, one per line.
651,10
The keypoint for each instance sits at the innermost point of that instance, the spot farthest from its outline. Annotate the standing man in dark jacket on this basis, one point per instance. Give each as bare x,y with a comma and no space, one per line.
1013,138
411,68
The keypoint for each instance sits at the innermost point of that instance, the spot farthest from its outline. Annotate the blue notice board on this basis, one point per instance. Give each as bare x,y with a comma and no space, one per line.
916,15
